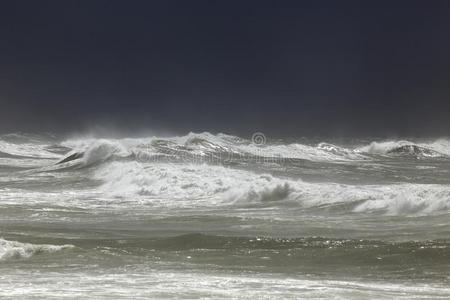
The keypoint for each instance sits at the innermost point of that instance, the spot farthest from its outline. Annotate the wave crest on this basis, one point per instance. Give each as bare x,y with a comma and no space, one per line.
95,152
220,146
175,185
15,250
438,148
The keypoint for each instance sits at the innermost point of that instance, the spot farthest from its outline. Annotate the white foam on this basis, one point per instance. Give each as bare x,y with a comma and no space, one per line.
175,185
154,282
188,184
14,249
422,199
321,152
382,148
440,147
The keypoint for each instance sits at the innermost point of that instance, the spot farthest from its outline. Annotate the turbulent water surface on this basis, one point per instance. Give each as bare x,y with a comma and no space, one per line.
219,216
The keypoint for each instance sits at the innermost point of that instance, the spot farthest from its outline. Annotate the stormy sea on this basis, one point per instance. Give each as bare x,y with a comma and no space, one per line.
219,216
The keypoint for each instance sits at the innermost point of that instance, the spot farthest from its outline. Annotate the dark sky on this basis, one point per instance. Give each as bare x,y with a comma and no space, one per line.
287,68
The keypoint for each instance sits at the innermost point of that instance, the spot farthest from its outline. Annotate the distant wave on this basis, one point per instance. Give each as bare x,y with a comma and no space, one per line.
222,146
438,148
15,250
207,145
204,147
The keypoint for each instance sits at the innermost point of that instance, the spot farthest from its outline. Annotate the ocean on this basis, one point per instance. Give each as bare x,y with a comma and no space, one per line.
216,216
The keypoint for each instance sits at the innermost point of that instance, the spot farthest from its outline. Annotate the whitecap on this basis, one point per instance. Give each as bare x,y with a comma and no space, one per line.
14,249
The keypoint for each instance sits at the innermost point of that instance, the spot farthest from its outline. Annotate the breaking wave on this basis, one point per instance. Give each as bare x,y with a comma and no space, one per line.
207,145
172,185
16,250
438,148
223,147
163,171
95,152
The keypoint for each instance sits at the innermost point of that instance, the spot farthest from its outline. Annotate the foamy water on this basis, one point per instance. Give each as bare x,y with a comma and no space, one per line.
219,216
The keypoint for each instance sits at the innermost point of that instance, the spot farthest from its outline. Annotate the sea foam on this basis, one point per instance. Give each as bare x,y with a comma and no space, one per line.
14,249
